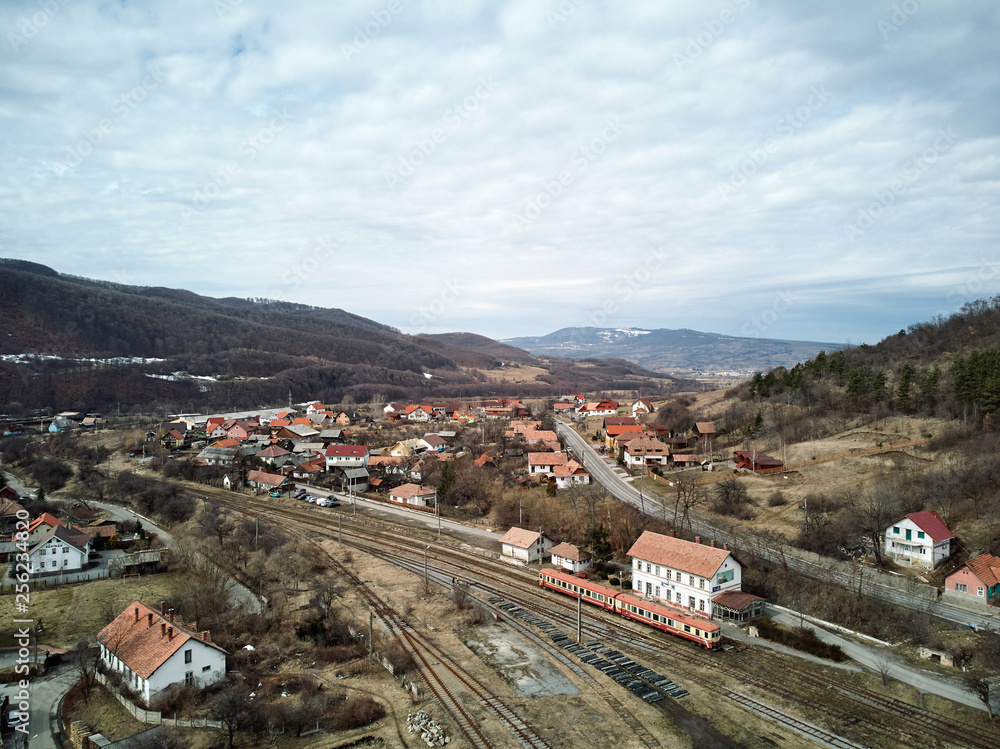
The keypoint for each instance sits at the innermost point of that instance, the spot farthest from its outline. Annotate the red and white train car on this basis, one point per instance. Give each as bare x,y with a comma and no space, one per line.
665,618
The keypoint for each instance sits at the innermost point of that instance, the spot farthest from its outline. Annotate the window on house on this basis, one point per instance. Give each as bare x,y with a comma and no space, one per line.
701,604
638,564
657,570
54,563
187,655
979,591
649,567
961,587
691,580
65,549
678,598
896,530
920,534
701,583
206,668
189,678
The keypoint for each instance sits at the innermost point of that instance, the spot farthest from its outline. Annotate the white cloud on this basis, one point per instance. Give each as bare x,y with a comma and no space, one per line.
187,179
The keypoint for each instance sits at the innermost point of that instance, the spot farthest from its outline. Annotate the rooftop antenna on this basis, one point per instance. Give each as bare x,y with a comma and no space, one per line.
289,399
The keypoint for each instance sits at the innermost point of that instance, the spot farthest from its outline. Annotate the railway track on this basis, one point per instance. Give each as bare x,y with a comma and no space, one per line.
857,709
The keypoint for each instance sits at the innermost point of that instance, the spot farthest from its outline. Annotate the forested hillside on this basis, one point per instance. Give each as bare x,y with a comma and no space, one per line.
70,342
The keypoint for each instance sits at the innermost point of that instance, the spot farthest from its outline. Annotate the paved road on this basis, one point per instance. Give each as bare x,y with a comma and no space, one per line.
374,508
241,594
620,489
875,658
44,695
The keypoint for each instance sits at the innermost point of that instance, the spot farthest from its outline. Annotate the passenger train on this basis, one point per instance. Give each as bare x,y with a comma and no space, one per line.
666,618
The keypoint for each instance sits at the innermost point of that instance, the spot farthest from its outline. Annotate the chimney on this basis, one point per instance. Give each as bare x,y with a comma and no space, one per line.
163,608
673,534
170,615
713,543
149,619
697,539
205,636
137,613
170,633
163,628
725,546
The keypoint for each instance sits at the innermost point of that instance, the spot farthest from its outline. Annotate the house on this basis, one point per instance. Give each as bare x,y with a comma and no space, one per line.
413,494
484,460
545,462
642,406
153,650
569,557
41,525
217,456
346,456
919,538
263,480
172,439
756,461
433,442
11,513
61,549
352,480
571,474
979,577
100,532
645,451
704,431
418,413
60,424
682,573
405,448
523,546
273,455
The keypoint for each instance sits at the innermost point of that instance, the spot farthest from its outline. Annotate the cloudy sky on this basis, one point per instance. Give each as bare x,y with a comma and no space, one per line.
778,169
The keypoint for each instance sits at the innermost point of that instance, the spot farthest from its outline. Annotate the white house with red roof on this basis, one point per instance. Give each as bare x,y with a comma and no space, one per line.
545,462
413,494
643,406
61,549
570,557
571,474
685,574
153,650
523,546
919,539
346,456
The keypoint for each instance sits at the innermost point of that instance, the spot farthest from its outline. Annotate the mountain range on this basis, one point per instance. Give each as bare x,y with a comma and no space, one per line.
72,342
664,349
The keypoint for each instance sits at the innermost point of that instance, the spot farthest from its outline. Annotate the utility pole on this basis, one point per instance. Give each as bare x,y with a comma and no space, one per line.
579,612
371,636
340,530
437,511
426,584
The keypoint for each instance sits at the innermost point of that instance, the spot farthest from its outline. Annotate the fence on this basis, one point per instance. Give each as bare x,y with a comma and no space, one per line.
151,716
56,580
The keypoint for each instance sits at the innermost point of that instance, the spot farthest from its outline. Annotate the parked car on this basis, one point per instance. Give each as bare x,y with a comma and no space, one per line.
275,494
328,502
300,493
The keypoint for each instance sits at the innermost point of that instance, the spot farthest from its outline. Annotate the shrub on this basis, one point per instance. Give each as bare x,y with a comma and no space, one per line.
355,713
777,500
800,638
399,658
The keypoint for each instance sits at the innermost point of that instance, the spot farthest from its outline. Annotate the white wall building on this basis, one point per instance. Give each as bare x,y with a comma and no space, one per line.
153,650
60,550
919,539
570,557
682,573
524,546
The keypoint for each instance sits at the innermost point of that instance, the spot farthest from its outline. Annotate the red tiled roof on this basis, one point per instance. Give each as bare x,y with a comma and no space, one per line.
263,477
408,491
930,523
646,446
682,555
520,537
272,452
705,427
617,421
137,640
613,430
45,518
571,552
572,468
735,599
986,567
346,451
547,459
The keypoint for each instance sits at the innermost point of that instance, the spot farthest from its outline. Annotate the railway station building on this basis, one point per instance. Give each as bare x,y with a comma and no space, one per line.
685,574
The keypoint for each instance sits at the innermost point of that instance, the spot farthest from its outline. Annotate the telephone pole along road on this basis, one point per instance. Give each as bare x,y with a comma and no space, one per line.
620,489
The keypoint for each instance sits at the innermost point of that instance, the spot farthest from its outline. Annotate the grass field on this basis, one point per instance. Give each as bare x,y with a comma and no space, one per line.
71,613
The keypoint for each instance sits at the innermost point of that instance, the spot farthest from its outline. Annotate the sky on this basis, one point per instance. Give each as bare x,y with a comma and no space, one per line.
806,171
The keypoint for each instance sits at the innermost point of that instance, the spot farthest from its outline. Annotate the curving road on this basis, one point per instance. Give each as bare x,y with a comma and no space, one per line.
622,490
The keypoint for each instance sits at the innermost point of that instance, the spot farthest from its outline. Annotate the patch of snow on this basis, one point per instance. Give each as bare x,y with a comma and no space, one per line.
428,375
